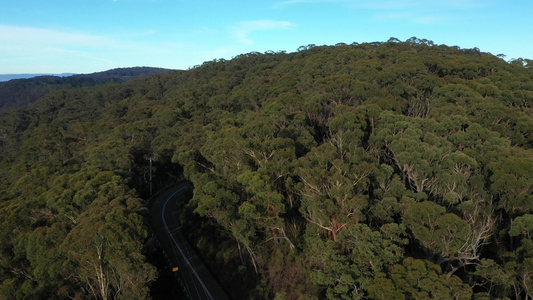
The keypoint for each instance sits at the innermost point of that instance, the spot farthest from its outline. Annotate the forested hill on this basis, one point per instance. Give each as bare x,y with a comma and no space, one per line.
8,77
21,92
394,170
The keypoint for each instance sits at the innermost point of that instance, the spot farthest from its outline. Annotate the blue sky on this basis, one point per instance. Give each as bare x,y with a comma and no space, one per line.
84,36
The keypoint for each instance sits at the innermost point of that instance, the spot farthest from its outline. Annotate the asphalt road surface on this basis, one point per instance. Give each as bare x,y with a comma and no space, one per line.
196,278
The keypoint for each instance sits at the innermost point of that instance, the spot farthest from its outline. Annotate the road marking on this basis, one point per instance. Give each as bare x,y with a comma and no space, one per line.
206,290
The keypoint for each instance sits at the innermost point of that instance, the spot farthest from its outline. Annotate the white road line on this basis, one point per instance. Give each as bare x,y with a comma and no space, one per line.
206,290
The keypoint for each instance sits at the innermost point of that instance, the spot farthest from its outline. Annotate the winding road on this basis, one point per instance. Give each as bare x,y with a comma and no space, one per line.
196,278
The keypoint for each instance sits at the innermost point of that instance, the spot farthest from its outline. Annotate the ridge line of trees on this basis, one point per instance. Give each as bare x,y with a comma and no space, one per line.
394,170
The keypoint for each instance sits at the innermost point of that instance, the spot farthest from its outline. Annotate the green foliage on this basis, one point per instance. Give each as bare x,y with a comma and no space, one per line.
418,279
522,225
395,170
21,92
439,232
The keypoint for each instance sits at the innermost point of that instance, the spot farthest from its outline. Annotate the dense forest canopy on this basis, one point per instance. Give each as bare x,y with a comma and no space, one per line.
393,170
21,92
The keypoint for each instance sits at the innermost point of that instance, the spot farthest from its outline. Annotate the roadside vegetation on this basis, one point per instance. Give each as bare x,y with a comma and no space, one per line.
393,170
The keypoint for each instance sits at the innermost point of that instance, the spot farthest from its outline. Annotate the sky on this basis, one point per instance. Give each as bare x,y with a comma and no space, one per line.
85,36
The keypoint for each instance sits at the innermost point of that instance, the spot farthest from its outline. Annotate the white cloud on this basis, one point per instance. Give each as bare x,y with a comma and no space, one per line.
392,4
414,11
392,16
412,4
47,50
290,2
429,19
243,29
418,11
411,17
40,37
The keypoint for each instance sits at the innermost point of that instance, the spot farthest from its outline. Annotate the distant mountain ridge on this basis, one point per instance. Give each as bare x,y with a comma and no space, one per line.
7,77
383,170
23,91
123,74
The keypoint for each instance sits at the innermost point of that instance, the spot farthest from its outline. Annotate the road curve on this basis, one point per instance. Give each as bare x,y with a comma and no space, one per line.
197,279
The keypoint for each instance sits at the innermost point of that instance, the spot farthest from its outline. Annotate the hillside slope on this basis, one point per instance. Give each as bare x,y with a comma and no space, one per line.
21,92
379,170
7,77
